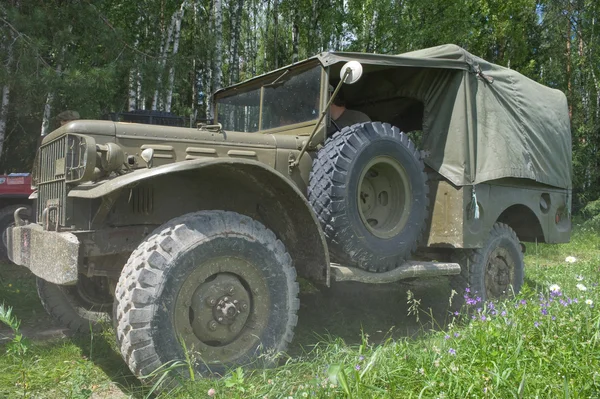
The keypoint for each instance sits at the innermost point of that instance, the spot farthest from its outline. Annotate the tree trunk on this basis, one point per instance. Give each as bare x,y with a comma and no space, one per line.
275,29
134,71
266,37
179,18
295,35
236,27
48,106
164,49
217,72
5,95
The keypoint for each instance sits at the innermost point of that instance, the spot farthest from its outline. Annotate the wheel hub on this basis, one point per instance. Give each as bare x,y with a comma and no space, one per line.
219,310
384,197
500,273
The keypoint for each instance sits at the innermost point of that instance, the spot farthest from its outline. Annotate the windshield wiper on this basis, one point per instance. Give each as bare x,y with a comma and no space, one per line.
273,83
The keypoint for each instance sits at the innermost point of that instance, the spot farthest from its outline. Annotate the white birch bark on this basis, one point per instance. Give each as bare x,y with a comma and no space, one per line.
217,72
164,49
134,73
179,18
48,107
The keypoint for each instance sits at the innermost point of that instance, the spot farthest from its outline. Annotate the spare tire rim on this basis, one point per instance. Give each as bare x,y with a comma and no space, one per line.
222,310
500,273
384,197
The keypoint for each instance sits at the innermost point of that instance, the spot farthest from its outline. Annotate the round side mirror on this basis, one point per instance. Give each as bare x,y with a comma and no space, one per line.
356,71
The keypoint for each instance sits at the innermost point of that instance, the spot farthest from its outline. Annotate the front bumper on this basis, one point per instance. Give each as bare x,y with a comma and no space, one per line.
49,255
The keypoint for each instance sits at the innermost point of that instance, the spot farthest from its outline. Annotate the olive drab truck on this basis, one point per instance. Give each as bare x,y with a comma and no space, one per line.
195,237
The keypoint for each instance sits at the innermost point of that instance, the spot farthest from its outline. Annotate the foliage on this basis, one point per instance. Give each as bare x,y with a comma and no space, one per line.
108,56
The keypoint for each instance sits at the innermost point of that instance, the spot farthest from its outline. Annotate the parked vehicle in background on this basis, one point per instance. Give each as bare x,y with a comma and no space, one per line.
15,189
193,238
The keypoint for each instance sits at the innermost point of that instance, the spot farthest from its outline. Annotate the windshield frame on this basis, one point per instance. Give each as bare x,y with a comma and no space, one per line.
300,128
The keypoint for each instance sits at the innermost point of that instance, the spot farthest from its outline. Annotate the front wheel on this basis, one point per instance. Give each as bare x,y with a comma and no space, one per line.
494,271
217,284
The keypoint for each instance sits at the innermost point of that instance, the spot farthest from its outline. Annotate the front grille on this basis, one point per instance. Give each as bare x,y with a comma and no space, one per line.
52,187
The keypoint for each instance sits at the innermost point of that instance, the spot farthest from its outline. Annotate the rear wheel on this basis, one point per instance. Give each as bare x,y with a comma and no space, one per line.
494,271
217,284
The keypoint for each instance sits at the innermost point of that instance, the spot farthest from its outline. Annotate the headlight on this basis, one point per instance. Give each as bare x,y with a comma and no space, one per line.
80,159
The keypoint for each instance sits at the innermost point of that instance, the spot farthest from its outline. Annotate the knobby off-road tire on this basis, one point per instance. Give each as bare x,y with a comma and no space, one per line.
7,219
219,282
494,271
369,190
77,307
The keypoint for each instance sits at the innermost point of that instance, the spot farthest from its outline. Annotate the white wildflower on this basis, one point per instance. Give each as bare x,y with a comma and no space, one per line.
579,278
571,259
554,287
589,302
581,287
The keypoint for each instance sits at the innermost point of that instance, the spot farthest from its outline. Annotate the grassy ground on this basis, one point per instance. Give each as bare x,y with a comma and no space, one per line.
398,340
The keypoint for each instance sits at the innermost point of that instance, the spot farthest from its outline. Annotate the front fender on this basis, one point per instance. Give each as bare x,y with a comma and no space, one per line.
277,202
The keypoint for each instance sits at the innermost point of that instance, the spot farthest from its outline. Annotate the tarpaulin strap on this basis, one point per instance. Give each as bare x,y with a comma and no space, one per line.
475,205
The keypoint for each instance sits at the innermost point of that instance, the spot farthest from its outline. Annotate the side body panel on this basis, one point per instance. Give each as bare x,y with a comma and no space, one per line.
537,213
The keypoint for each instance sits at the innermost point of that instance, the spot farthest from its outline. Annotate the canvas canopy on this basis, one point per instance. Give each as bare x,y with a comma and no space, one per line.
481,121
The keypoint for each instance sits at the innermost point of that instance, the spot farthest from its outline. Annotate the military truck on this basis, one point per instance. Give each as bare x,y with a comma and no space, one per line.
194,237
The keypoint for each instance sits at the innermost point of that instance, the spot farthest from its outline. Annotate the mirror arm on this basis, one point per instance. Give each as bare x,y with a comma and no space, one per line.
296,162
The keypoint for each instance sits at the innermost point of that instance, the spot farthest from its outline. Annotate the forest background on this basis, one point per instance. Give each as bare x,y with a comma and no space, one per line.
168,55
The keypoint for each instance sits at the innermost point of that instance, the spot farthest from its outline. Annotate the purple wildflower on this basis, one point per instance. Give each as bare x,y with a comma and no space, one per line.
483,318
452,351
553,317
479,310
361,358
457,313
544,311
456,335
357,367
491,305
471,301
478,299
446,336
523,302
467,289
536,324
503,313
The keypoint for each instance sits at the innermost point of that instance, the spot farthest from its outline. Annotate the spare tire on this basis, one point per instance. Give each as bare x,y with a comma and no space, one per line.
369,190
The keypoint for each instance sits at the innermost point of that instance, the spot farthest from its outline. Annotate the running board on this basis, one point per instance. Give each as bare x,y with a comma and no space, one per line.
409,269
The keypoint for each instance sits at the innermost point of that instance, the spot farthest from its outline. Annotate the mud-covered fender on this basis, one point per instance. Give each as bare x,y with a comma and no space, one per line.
280,205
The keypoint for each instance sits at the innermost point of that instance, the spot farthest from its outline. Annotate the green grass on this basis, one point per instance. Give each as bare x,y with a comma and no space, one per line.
538,344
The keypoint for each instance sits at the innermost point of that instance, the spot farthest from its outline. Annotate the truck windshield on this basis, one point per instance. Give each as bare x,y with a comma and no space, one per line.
291,98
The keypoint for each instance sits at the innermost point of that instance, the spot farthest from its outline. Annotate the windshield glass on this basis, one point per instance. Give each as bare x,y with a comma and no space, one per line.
240,112
293,99
288,98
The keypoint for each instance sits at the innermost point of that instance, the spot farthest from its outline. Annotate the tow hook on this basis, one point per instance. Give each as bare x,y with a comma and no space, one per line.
18,220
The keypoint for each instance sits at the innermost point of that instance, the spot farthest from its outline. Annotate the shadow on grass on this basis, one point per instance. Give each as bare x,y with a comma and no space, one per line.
99,348
347,310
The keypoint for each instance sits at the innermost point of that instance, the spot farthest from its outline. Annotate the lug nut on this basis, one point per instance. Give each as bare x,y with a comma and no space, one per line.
220,319
212,325
210,301
235,301
225,299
